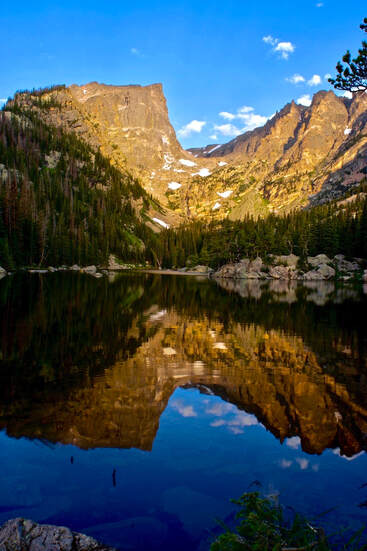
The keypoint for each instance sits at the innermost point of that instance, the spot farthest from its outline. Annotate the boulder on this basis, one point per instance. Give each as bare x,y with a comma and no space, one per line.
52,269
26,535
256,265
315,261
2,270
90,269
75,268
282,272
323,272
96,274
364,277
344,265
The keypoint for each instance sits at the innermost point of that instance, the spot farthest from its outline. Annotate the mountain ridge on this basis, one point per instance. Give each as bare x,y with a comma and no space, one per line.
301,156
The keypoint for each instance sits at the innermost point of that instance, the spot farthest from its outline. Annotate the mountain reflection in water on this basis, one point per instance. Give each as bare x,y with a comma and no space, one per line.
94,363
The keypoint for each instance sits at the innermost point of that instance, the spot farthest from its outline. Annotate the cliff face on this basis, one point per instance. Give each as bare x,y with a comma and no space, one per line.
301,156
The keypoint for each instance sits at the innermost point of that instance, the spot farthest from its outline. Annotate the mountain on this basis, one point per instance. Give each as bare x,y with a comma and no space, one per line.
61,200
302,156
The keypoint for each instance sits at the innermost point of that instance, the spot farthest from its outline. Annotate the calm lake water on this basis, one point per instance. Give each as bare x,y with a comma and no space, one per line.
134,407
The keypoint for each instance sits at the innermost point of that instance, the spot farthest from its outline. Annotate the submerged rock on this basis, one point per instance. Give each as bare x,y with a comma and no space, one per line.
20,534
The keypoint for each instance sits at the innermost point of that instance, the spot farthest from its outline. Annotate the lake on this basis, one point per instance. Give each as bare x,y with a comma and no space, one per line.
134,407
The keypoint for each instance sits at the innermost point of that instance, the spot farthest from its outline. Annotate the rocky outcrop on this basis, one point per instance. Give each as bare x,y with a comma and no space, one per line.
287,267
302,155
25,535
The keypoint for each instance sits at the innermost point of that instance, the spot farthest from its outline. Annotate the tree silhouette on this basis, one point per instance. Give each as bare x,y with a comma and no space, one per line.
353,75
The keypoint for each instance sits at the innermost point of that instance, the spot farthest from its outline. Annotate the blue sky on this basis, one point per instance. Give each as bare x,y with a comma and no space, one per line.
210,56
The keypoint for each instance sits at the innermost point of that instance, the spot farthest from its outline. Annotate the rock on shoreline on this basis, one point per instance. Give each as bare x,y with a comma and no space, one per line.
315,268
20,534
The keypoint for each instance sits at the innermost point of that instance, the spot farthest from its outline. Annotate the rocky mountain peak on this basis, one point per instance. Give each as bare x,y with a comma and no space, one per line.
301,155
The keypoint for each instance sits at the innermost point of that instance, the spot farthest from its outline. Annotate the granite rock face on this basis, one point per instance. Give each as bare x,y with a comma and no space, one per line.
301,156
25,535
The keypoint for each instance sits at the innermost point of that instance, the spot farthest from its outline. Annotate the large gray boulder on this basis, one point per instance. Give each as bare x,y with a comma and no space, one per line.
20,534
323,271
345,265
315,261
283,272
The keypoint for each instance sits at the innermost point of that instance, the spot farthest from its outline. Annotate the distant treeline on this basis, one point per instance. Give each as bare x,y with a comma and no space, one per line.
331,229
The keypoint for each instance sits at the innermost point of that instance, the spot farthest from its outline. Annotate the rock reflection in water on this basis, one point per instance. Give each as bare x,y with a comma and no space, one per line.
94,363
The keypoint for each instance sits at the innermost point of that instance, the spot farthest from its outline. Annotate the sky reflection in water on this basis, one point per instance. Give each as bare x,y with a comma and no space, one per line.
192,393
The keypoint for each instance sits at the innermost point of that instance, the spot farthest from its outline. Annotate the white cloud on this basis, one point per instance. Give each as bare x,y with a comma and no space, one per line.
327,76
253,121
284,48
294,442
227,129
193,126
270,40
134,51
245,109
295,79
347,94
246,115
227,116
303,463
315,80
220,408
3,100
243,419
213,136
305,100
185,411
319,5
285,463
